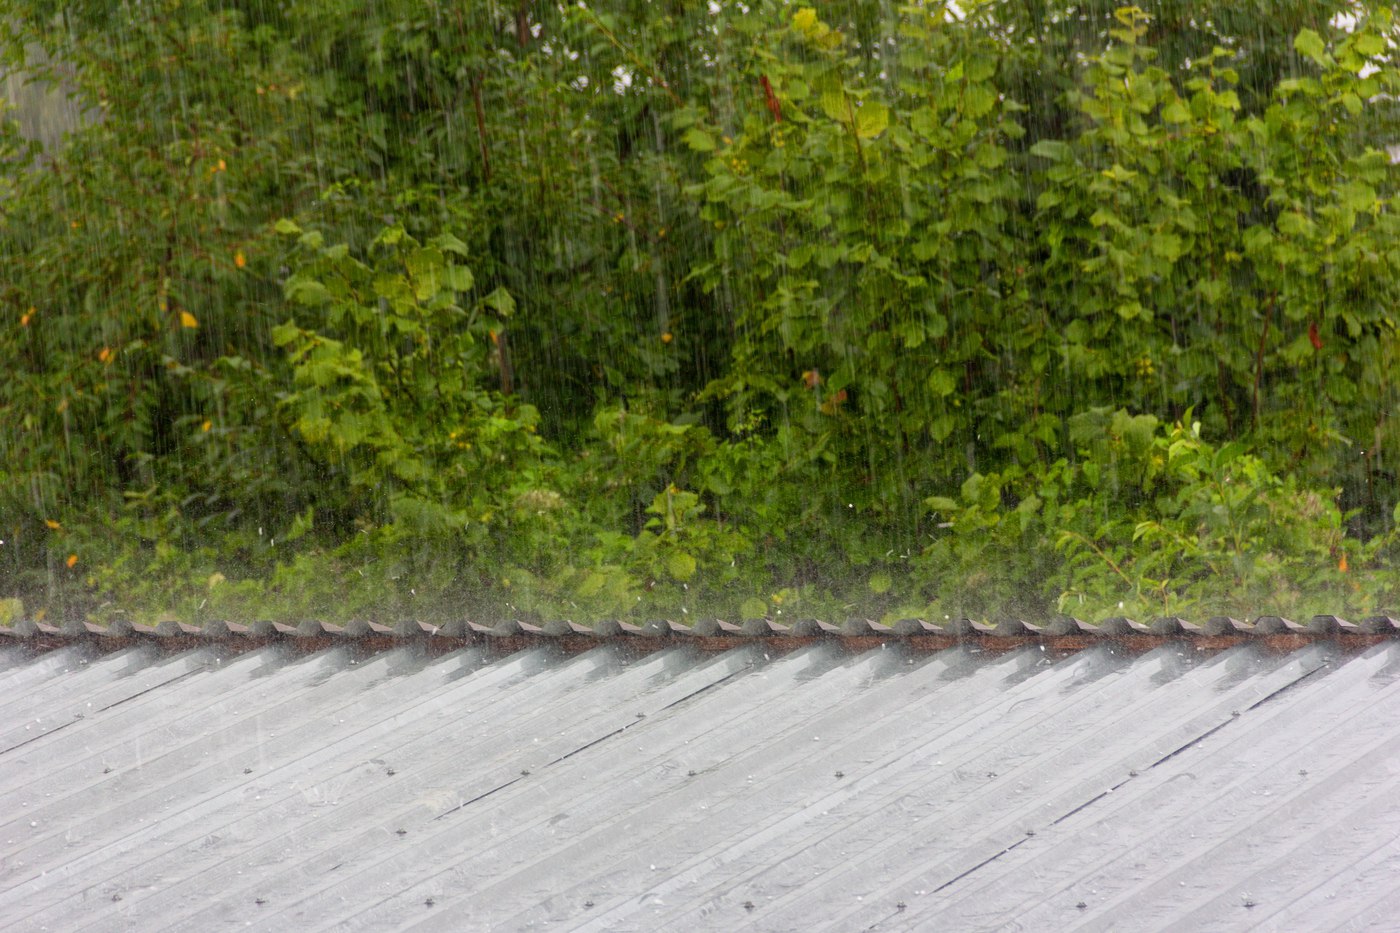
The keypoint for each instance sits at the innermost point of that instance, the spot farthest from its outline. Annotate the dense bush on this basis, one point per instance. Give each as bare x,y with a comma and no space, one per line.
667,309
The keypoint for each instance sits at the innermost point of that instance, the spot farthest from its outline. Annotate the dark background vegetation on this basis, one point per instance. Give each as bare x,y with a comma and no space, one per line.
668,309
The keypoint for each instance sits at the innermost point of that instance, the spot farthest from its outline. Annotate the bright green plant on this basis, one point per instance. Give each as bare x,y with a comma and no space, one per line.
750,309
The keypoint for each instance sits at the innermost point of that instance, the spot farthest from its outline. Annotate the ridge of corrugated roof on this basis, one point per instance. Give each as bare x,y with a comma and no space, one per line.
1061,632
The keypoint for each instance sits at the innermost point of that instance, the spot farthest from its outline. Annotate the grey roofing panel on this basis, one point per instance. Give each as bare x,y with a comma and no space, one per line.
817,789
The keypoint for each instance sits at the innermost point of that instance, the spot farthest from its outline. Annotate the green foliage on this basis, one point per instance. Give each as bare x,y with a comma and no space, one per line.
1150,520
388,384
669,309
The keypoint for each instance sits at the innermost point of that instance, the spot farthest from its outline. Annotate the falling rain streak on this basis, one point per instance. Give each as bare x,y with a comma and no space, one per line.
655,310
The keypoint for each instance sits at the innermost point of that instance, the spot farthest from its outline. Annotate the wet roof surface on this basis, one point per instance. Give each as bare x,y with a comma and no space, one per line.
681,789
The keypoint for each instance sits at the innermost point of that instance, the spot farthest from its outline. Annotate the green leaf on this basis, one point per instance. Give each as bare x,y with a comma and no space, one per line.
395,290
699,140
286,227
936,324
872,119
500,301
1368,44
1176,112
833,101
301,524
1136,431
1168,246
1092,474
390,235
981,68
1053,149
285,333
911,333
1310,44
306,291
942,383
425,269
1357,196
880,583
753,608
978,100
680,565
458,278
924,121
449,244
1294,223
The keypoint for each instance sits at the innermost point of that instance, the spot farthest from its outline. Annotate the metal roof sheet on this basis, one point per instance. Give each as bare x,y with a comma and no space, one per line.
817,788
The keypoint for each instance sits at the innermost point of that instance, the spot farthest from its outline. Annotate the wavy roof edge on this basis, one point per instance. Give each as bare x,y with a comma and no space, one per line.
1064,633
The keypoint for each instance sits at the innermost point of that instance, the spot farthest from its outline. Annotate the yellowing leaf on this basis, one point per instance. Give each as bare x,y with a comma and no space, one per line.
72,559
105,355
239,259
188,320
206,425
52,524
805,19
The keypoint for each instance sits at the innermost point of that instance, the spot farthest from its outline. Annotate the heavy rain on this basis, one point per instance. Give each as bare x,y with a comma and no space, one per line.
663,464
656,310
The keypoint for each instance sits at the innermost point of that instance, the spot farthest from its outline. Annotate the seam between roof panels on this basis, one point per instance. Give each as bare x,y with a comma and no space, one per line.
1233,716
674,703
1102,794
81,716
175,679
1288,686
587,745
980,865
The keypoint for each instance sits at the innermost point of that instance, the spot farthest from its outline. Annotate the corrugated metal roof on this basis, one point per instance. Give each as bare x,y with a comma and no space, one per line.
1063,633
963,788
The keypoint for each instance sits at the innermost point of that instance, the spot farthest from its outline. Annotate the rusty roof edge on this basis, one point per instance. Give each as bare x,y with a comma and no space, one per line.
1064,632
